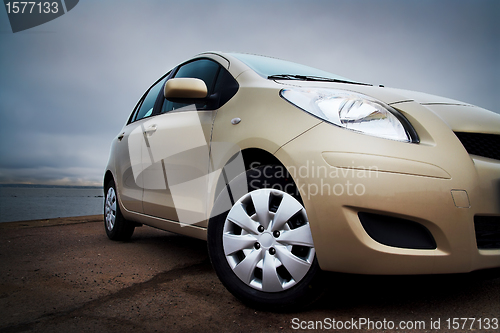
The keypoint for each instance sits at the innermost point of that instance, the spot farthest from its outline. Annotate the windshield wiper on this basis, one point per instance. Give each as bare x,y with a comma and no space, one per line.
311,78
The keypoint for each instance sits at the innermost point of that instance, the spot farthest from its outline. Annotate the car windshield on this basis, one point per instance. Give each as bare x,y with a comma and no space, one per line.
272,67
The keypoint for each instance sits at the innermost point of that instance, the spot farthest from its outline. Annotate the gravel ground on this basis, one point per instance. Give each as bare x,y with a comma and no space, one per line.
64,275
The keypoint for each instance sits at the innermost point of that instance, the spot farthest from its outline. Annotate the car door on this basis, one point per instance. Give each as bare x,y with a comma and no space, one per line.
176,164
129,146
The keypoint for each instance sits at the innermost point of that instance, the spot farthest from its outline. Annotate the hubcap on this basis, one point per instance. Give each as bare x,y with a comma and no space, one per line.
285,251
110,209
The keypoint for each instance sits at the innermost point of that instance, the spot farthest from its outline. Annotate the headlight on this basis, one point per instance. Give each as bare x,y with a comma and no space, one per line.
353,111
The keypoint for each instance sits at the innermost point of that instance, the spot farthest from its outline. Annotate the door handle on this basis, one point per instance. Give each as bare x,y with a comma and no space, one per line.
120,137
150,130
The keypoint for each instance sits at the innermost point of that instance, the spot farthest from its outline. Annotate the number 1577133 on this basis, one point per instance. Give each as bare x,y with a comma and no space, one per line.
31,7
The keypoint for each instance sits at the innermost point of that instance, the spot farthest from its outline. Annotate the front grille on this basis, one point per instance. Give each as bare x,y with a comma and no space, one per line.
487,232
486,145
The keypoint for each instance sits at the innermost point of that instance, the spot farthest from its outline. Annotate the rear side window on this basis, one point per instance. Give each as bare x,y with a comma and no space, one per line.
148,102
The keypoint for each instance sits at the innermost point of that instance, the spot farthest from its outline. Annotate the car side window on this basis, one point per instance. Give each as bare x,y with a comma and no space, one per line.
148,102
203,69
134,113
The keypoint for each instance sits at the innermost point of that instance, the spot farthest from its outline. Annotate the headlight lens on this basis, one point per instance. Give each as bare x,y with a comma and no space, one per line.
353,111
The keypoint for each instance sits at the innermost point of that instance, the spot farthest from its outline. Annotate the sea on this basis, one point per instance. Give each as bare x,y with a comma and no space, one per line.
35,202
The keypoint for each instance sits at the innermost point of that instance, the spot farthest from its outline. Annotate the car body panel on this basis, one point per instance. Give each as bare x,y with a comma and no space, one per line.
179,149
131,189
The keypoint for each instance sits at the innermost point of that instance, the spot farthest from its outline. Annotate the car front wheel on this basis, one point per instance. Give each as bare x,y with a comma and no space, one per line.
263,251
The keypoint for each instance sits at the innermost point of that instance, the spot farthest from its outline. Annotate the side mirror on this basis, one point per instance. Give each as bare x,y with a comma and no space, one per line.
185,89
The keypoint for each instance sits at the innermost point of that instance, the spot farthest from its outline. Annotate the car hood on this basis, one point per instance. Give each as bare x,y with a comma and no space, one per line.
387,95
459,116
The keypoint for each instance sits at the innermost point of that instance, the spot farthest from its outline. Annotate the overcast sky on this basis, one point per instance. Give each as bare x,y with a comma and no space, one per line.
68,86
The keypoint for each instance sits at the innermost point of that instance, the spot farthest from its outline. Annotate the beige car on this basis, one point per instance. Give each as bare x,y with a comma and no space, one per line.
288,171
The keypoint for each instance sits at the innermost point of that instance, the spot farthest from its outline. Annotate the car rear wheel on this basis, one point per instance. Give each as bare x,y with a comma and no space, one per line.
262,249
117,227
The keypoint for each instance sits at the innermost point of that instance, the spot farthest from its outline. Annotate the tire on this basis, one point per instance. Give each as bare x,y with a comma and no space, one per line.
269,266
116,226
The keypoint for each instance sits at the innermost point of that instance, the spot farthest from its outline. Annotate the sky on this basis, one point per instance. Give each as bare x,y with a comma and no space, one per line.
68,86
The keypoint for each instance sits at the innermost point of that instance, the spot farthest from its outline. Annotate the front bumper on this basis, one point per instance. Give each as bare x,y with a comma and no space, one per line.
436,184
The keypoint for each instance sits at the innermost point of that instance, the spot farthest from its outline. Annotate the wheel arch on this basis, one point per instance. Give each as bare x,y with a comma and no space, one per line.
108,176
253,158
